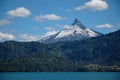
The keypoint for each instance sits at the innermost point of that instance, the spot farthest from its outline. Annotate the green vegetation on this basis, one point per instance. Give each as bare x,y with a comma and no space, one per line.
96,54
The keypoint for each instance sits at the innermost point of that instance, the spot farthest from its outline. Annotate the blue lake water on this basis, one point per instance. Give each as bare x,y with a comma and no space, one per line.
60,76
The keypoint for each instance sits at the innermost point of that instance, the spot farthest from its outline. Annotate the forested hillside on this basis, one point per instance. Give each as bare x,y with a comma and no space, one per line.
95,54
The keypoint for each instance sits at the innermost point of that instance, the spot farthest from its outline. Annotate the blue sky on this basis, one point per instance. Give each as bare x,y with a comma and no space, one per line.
30,20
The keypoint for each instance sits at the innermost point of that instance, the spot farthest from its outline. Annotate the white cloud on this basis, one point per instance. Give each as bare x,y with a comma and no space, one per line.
64,26
52,17
95,5
6,36
49,28
49,33
19,12
4,22
106,25
26,37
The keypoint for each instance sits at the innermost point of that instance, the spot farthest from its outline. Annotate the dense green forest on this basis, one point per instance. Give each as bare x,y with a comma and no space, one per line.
95,54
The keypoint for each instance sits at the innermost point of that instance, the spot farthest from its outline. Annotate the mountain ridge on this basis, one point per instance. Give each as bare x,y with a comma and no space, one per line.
100,53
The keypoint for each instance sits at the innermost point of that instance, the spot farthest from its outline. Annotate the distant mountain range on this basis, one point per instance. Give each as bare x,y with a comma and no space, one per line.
77,31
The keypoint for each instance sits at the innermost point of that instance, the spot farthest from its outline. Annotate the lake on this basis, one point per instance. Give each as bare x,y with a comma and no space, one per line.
60,76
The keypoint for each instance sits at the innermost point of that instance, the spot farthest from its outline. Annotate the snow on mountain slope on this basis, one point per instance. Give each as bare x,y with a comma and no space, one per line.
76,31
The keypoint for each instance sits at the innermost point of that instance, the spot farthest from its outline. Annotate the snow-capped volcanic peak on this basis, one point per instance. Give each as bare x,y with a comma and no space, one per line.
91,33
78,23
70,31
76,31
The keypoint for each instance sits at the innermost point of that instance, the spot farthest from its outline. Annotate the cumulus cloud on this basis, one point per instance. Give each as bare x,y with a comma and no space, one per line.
4,22
26,37
52,17
49,33
106,25
64,26
19,12
67,26
6,36
94,5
